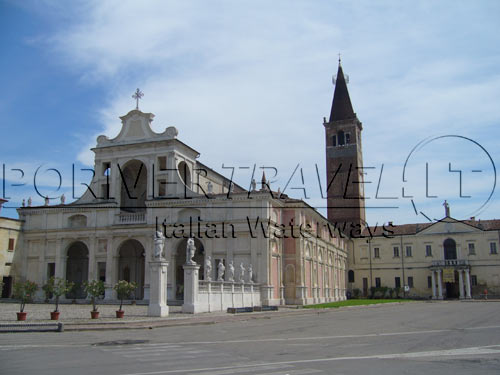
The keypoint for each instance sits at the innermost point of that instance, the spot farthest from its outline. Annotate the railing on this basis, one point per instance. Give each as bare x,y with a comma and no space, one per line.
450,262
133,218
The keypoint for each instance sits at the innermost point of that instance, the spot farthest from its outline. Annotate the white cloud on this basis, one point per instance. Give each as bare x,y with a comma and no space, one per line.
249,82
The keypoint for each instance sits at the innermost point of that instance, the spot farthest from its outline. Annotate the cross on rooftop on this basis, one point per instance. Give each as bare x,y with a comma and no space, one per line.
137,95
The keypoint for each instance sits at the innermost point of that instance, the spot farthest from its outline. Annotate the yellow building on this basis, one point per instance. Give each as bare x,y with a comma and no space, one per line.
445,259
10,230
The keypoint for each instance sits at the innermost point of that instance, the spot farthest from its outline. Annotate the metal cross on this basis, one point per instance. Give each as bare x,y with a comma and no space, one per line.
339,59
137,95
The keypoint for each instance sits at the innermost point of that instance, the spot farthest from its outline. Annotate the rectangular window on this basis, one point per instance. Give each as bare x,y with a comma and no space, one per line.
429,282
347,138
408,251
428,250
493,248
397,282
162,188
410,281
12,242
162,163
396,251
376,252
334,140
472,248
101,269
377,282
473,280
106,169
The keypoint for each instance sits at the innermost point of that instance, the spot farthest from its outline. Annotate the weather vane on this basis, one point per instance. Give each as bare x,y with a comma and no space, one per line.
137,95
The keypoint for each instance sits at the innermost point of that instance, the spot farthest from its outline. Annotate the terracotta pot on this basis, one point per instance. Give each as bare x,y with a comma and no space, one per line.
54,315
21,315
120,313
94,314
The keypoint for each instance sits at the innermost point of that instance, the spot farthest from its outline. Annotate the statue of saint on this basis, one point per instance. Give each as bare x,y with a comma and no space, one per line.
250,274
208,268
242,273
220,269
29,202
230,274
63,199
159,239
190,250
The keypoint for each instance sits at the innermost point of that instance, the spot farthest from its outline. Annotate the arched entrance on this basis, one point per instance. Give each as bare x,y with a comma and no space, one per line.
77,268
133,193
450,249
131,266
180,260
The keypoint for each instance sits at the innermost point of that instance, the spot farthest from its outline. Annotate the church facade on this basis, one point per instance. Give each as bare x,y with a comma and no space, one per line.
145,182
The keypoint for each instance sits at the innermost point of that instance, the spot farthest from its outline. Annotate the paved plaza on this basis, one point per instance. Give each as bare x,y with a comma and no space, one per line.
412,338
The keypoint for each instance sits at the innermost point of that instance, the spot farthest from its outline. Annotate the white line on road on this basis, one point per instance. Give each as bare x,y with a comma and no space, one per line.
471,351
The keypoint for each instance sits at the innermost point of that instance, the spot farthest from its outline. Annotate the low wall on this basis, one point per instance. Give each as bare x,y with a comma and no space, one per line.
219,295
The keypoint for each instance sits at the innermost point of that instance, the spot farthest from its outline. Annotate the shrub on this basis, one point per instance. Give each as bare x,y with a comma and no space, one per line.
24,292
95,289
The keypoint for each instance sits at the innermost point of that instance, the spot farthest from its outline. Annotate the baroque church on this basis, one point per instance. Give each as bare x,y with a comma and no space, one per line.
145,181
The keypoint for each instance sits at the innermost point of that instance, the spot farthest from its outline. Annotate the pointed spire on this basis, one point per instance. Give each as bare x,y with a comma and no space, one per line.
341,106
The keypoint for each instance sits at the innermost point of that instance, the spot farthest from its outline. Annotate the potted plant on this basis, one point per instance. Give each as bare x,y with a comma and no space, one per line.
123,289
57,287
94,288
24,292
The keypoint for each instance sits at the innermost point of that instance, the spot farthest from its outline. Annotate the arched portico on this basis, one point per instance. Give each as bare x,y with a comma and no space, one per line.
77,268
131,263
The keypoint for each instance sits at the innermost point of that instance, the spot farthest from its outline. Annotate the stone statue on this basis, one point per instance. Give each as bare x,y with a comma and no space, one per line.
230,274
250,274
190,250
159,239
220,269
47,200
63,199
208,268
24,203
253,185
242,273
29,202
210,187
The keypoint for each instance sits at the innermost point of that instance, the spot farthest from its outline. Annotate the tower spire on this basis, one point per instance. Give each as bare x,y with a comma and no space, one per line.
341,105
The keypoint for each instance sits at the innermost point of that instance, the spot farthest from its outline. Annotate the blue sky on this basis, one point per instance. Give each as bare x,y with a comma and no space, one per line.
249,82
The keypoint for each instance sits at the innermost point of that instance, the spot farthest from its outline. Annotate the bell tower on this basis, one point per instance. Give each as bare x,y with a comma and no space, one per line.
344,161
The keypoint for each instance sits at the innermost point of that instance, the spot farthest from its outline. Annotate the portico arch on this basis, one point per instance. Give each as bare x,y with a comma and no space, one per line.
77,268
131,265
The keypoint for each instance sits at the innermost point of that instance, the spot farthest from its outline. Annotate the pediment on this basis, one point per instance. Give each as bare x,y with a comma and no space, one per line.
136,128
449,225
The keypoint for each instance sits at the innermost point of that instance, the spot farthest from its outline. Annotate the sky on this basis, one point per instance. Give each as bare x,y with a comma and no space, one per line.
247,83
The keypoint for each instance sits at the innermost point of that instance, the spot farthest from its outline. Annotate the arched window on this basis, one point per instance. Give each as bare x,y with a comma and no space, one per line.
341,137
450,249
350,276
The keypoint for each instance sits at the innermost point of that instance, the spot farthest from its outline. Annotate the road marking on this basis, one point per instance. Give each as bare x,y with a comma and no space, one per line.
471,351
247,369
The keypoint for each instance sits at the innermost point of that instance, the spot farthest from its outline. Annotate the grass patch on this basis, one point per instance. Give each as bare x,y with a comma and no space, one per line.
354,302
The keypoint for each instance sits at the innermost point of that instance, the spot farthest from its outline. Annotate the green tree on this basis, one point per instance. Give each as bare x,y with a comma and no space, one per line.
24,292
57,287
123,289
95,288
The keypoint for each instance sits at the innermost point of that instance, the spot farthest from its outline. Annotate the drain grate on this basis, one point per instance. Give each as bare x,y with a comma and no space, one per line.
121,342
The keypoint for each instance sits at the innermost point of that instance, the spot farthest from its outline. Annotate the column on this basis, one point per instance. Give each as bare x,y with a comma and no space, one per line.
109,293
467,284
92,263
440,285
60,258
461,284
158,288
433,284
191,305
